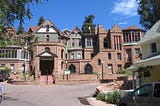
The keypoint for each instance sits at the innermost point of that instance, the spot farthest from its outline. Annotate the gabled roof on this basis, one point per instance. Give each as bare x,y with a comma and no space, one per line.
47,53
133,28
48,22
76,29
115,28
33,29
151,34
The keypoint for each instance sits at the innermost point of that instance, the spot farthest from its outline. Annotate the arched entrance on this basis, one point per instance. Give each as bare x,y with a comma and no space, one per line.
72,68
46,66
88,69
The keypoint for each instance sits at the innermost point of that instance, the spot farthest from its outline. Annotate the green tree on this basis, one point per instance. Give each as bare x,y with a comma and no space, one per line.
40,21
12,10
88,26
20,29
149,11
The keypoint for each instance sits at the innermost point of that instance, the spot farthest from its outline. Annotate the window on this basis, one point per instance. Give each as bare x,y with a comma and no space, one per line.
12,67
72,42
72,55
119,56
62,53
143,91
153,48
128,55
157,91
109,56
79,56
89,42
119,67
99,61
137,50
80,44
47,38
110,69
62,63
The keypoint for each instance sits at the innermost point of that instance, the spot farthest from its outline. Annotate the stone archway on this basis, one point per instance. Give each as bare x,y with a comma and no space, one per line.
88,69
72,68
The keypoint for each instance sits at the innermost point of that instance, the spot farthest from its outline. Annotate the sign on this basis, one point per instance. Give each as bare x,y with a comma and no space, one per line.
67,72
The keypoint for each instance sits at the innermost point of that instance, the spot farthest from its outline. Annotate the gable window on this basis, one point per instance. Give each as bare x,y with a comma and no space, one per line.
153,47
47,38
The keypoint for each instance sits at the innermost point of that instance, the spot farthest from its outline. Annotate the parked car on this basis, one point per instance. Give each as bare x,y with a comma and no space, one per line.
145,95
3,75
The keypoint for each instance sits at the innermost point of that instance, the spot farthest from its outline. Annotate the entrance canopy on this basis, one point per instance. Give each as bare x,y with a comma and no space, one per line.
47,53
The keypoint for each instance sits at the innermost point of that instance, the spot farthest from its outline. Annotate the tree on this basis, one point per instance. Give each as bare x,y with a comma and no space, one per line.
41,20
149,11
20,29
88,27
12,10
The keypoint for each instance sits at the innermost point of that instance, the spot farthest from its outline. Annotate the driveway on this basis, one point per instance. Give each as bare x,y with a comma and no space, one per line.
47,95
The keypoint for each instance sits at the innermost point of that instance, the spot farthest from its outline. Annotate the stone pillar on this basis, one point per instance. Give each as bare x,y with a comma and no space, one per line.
37,70
55,71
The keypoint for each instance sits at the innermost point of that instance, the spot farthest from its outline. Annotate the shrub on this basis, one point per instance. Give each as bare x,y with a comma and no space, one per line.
100,96
127,73
113,97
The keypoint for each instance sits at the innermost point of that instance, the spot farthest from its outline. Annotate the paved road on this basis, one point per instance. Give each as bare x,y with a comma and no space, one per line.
47,95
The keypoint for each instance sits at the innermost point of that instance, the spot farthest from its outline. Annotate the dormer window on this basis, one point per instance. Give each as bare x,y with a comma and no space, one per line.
47,38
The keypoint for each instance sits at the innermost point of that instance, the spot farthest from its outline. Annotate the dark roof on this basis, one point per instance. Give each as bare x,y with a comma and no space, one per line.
33,29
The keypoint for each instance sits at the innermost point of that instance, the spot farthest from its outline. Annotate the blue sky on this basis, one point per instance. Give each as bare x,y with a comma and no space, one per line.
70,13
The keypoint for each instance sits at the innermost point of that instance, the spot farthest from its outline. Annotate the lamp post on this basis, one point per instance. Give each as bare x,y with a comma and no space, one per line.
66,69
102,69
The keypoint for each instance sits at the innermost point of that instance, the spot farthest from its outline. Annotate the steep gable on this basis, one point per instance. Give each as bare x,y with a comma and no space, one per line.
48,26
115,28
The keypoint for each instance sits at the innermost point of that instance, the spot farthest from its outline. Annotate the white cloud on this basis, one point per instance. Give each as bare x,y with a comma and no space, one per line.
123,23
125,7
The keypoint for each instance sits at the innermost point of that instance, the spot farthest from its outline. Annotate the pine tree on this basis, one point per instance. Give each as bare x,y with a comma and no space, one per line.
20,29
40,21
149,11
88,27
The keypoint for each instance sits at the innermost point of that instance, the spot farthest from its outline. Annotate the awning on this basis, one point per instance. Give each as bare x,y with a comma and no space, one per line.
152,61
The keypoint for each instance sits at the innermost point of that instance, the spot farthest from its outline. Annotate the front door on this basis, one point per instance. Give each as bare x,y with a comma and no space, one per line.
47,67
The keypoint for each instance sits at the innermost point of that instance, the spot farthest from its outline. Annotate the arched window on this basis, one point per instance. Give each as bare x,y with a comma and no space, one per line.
47,38
62,53
72,68
88,69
